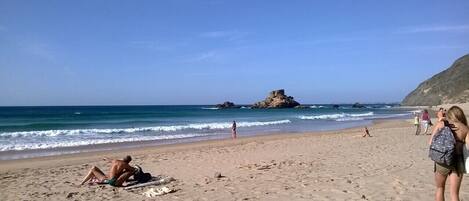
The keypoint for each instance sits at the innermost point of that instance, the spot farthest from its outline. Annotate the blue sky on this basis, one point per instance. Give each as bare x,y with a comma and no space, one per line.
206,52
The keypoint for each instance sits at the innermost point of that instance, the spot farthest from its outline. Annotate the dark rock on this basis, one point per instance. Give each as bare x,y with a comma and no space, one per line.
336,106
217,175
71,194
447,87
358,105
227,105
277,99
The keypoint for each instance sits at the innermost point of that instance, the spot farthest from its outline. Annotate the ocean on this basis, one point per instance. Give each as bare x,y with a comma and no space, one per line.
41,131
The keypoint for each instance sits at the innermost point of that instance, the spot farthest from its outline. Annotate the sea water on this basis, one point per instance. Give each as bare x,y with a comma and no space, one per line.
37,131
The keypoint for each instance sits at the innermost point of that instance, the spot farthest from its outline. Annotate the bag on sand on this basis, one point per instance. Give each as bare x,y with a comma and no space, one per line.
140,176
442,147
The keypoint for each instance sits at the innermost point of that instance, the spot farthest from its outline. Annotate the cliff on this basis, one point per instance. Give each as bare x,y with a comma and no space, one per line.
447,87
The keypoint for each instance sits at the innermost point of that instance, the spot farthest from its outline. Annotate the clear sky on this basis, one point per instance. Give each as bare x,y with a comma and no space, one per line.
205,52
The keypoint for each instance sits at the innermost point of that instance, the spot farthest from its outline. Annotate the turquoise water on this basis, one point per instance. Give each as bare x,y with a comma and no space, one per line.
52,128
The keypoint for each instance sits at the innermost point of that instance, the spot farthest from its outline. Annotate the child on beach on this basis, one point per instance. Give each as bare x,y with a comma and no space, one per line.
417,124
366,132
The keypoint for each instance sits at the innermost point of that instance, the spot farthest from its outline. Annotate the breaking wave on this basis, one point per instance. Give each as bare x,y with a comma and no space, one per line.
337,116
197,126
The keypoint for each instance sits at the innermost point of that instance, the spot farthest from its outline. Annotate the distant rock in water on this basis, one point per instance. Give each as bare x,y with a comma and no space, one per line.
277,99
336,107
227,105
447,87
358,105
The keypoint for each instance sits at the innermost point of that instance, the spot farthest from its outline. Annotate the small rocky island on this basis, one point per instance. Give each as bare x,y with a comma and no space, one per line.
277,99
358,105
227,105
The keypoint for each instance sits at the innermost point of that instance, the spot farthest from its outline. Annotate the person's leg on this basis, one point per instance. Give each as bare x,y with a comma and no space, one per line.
426,127
123,178
455,184
440,181
94,172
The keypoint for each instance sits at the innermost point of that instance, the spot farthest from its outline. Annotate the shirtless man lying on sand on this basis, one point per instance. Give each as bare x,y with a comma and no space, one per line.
120,171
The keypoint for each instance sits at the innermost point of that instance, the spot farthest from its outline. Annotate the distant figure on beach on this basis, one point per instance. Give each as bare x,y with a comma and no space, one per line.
417,123
456,120
233,130
366,132
426,120
119,172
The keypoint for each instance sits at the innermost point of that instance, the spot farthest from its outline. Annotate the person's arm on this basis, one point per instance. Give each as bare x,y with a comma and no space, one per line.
467,140
128,168
436,129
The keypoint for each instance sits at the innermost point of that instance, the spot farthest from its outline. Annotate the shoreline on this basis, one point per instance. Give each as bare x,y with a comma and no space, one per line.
78,157
94,148
42,161
393,164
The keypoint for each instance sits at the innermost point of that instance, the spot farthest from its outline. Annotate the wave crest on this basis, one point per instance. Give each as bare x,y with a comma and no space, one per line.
198,126
337,116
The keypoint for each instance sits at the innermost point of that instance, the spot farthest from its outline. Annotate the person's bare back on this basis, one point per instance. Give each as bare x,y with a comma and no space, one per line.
119,172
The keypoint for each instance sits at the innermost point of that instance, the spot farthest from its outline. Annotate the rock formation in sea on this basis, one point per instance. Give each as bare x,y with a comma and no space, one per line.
277,99
447,87
358,105
226,105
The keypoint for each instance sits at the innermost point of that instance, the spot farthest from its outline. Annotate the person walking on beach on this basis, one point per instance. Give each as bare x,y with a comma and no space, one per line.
417,123
119,172
426,120
457,121
366,132
233,130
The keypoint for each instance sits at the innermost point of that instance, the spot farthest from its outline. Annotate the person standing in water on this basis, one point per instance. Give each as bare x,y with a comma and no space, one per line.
233,130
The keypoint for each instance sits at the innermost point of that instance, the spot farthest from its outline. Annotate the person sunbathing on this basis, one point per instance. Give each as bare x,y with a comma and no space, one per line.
119,172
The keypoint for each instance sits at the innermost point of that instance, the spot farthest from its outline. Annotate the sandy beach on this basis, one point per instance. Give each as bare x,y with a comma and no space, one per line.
339,165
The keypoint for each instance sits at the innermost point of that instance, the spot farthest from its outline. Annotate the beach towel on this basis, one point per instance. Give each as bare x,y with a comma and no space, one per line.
153,192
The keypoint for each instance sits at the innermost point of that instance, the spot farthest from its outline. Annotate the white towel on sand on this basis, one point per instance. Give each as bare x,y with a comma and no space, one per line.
153,192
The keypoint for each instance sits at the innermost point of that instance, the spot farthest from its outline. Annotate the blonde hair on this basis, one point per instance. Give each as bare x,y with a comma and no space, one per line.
455,113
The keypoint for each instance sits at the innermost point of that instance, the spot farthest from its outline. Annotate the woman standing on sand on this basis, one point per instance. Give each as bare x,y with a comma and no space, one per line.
456,120
425,120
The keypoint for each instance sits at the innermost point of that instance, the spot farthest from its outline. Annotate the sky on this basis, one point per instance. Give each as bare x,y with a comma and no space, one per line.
206,52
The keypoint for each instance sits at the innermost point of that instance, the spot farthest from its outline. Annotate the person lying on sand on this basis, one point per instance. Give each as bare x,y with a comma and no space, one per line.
119,172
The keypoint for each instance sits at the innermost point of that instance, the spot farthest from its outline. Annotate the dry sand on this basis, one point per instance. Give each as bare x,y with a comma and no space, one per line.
340,165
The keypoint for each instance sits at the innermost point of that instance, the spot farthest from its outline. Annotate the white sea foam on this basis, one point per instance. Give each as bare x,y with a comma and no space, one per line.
83,142
337,116
197,126
210,108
